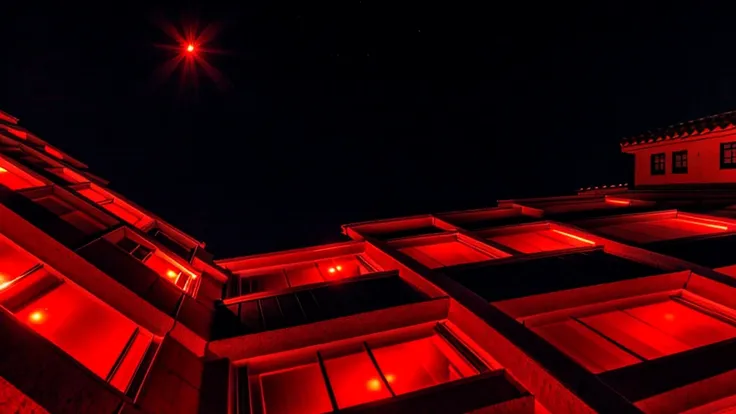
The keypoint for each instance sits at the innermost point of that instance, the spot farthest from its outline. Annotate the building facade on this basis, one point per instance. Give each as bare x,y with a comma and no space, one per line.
610,300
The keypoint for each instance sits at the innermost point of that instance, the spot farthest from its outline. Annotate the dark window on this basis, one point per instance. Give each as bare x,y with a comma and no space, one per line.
728,155
658,164
679,162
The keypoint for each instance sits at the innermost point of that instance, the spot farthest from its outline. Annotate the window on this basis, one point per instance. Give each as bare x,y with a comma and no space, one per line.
728,155
658,164
360,373
679,162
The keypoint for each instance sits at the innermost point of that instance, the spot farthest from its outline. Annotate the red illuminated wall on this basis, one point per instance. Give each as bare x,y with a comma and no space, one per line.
703,161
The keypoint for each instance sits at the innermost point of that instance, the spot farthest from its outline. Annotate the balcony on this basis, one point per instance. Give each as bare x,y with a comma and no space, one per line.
283,271
314,304
396,228
382,373
119,208
486,218
520,277
448,249
658,341
88,330
137,264
646,228
535,238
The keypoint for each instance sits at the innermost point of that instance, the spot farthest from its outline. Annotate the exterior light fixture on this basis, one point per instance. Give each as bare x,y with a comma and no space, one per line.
37,317
374,384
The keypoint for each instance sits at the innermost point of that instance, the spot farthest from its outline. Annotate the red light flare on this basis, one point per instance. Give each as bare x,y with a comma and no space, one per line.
190,52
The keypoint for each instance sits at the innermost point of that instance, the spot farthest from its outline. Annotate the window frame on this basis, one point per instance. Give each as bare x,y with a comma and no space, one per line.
732,158
653,158
682,169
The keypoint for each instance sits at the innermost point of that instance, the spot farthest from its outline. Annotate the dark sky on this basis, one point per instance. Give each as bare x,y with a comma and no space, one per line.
357,111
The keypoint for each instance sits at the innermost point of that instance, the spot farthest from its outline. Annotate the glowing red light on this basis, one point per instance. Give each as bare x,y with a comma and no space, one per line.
374,384
172,274
37,316
572,236
190,48
615,201
339,268
3,170
390,378
714,226
331,270
669,316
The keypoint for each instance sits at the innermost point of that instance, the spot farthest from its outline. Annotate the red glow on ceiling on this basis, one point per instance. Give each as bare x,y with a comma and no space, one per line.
572,236
374,384
37,317
713,226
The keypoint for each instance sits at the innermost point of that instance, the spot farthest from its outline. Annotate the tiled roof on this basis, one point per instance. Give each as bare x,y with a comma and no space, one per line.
683,130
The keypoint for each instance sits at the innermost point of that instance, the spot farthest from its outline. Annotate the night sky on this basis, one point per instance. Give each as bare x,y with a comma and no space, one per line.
359,110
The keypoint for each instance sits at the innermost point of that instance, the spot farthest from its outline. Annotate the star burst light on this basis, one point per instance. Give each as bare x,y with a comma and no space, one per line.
189,50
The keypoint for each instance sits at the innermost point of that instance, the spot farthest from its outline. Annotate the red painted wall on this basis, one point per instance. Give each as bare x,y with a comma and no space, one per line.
703,161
